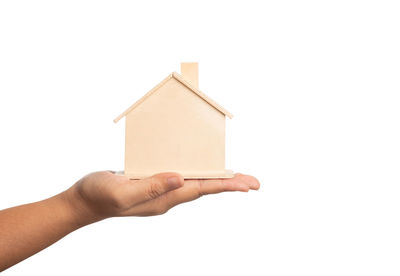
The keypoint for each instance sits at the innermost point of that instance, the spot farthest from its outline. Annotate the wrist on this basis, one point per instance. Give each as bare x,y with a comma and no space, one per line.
80,213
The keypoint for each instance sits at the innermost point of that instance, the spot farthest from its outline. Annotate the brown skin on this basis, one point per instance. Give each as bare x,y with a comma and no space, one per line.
27,229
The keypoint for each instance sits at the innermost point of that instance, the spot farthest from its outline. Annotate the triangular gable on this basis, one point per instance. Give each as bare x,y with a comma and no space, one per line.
185,83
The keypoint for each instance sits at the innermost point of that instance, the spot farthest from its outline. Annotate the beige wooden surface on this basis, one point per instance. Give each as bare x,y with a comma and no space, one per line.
175,130
186,175
187,84
190,72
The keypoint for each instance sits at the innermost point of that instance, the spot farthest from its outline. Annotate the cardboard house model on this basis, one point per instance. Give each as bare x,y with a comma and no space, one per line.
176,128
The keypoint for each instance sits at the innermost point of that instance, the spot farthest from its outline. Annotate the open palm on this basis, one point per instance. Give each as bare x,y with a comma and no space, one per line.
105,194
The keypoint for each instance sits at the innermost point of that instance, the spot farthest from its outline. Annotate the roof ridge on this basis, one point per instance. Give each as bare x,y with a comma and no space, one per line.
202,95
182,80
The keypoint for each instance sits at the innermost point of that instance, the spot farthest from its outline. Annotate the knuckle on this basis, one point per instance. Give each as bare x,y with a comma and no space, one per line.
154,188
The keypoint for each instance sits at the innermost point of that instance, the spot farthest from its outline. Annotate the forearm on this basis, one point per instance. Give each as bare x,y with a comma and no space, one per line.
27,229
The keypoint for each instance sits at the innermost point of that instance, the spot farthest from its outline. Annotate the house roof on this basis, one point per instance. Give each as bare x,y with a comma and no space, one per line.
179,78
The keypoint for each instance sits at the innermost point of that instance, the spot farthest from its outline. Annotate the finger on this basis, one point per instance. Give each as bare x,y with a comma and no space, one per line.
152,187
247,180
192,190
239,182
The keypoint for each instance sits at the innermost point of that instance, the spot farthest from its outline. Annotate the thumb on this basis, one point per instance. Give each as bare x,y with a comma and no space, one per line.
154,186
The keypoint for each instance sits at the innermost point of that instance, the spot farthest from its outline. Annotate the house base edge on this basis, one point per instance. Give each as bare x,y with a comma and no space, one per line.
186,175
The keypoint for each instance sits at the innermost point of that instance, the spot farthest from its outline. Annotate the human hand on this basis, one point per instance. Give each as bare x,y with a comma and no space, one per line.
29,228
104,194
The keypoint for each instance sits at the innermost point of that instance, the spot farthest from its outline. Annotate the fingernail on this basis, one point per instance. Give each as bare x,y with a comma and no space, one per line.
174,182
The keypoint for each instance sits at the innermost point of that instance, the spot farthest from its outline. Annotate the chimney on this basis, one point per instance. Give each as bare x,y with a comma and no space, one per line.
190,72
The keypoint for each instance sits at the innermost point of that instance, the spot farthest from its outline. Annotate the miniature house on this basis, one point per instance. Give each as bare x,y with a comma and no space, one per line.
176,128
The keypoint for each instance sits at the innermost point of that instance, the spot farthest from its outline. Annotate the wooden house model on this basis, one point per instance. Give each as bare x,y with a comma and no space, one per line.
176,128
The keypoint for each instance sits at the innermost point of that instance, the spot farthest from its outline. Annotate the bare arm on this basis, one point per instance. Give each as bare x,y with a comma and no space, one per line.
27,229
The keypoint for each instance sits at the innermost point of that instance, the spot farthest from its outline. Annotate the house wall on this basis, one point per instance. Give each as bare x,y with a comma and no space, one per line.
175,130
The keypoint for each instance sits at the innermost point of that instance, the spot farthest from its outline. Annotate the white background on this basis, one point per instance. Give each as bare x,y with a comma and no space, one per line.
314,89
